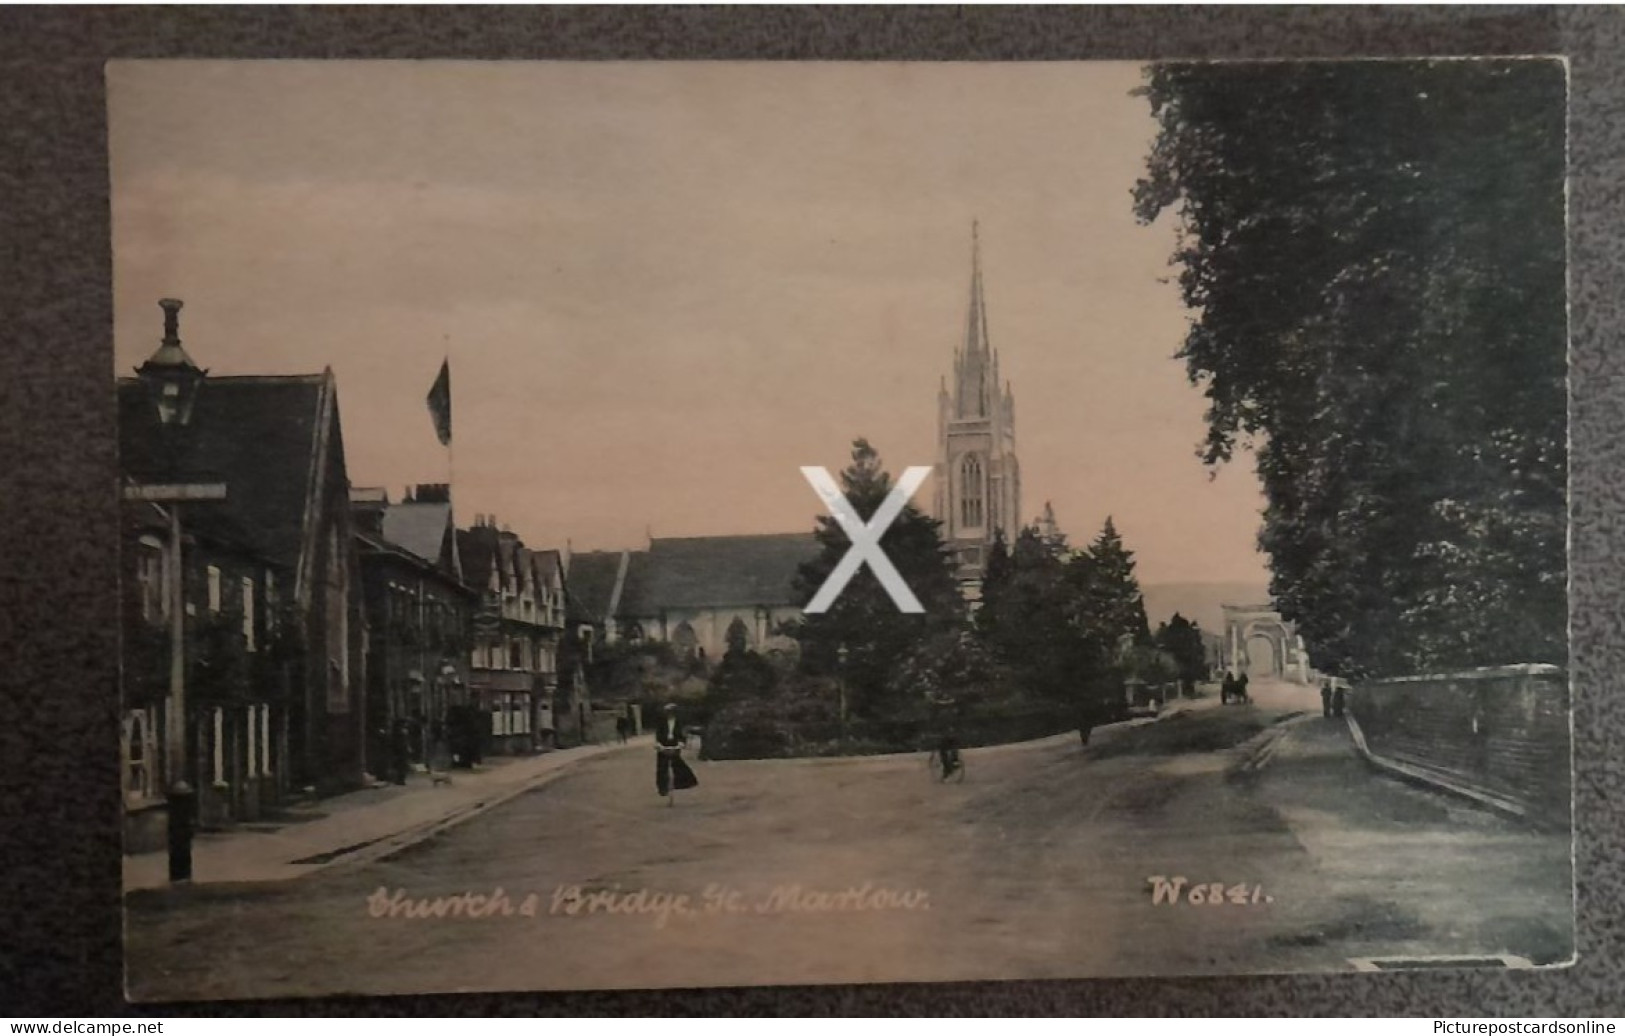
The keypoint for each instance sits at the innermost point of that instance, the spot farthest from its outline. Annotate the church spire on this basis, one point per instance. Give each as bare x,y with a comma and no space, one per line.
976,373
976,327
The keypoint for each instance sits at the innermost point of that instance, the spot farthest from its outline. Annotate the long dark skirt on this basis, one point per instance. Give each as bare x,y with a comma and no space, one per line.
672,773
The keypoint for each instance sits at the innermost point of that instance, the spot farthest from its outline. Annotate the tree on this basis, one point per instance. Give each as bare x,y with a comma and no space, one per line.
996,577
1030,623
1150,664
1104,592
741,674
1374,255
1182,640
864,619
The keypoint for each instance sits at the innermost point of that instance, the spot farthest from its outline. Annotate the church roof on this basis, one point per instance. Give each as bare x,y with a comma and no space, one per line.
590,582
715,571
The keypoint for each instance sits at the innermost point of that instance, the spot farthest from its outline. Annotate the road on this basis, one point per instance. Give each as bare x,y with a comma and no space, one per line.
1037,866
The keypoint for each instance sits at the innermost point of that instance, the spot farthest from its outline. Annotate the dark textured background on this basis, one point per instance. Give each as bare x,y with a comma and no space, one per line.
59,808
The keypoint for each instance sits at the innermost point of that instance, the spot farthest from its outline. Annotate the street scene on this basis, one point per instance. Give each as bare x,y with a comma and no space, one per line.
544,564
1037,866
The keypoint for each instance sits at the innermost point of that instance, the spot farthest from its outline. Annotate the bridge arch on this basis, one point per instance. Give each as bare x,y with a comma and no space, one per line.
1258,642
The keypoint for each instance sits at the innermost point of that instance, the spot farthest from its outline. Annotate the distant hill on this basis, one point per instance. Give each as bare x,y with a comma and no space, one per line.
1201,602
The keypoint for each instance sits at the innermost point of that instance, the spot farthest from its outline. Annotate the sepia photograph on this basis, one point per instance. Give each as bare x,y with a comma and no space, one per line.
576,531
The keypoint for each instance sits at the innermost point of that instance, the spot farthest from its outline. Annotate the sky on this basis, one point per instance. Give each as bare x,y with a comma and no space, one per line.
665,287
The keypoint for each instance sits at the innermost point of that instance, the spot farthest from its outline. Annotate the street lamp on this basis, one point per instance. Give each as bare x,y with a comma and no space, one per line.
840,684
170,375
173,381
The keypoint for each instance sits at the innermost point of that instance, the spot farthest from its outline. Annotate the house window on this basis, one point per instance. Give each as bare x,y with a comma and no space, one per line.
140,755
970,492
248,612
149,579
218,743
253,741
515,655
270,602
265,740
214,590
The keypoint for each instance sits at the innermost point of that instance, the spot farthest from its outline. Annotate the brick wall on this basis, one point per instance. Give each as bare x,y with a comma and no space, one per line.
1503,732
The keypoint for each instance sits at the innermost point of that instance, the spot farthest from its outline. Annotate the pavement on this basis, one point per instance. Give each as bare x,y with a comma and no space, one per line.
357,826
1044,863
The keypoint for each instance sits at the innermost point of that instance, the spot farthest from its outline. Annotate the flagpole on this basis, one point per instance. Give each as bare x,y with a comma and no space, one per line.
451,440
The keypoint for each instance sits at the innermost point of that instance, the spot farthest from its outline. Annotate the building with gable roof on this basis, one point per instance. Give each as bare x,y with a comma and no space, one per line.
276,443
690,591
420,618
513,673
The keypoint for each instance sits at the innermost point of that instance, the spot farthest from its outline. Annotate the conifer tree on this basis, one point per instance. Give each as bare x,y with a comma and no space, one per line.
864,619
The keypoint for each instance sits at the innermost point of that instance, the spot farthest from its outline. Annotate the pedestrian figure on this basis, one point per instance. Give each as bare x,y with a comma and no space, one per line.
399,751
671,773
1227,688
1326,699
440,759
620,728
1337,700
1241,688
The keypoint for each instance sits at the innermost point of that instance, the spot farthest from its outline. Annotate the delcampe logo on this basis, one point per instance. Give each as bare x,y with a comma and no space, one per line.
865,539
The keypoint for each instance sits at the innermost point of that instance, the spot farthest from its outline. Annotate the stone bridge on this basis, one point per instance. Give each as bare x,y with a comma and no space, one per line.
1258,642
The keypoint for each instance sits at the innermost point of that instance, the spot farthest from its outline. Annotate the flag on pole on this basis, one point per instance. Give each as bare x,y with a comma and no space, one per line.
440,403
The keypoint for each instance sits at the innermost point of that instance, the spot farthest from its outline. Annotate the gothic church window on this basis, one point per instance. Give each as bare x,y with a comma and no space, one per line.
970,492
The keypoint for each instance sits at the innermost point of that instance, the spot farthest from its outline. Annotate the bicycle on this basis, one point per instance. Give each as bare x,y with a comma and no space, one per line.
933,761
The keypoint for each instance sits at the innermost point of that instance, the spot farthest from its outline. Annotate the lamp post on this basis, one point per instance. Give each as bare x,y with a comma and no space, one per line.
840,685
173,380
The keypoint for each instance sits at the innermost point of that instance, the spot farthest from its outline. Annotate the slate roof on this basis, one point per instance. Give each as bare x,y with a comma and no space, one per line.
420,528
715,571
547,563
478,546
256,434
373,546
591,584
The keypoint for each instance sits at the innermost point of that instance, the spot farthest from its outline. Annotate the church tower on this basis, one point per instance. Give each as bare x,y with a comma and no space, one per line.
978,481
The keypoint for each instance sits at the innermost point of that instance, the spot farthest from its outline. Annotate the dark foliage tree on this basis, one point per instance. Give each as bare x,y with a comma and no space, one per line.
1182,640
1103,592
743,673
1031,621
1375,258
996,577
864,619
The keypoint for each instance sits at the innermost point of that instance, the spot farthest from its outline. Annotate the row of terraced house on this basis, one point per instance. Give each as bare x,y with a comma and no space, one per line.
322,636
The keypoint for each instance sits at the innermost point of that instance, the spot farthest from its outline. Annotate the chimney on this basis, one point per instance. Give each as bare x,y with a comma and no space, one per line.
433,493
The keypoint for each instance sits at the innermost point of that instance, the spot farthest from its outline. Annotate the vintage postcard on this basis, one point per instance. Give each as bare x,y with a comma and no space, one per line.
629,525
